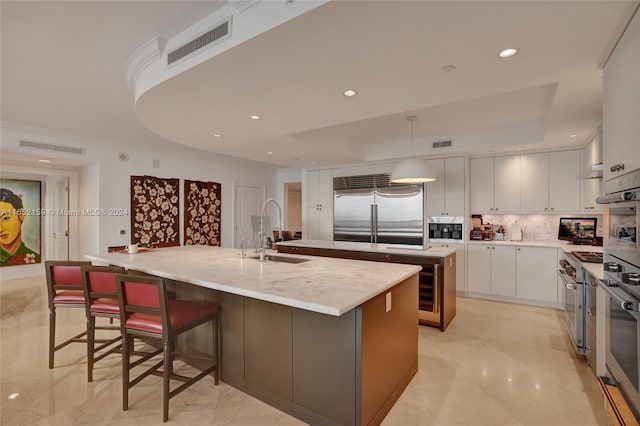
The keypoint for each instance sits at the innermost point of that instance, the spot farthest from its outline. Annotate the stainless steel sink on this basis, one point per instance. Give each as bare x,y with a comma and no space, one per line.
284,259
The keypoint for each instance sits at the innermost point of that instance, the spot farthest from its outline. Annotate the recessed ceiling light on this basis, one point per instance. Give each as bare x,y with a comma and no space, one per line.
508,52
217,135
574,135
313,162
519,149
44,160
255,117
448,68
270,152
349,93
13,396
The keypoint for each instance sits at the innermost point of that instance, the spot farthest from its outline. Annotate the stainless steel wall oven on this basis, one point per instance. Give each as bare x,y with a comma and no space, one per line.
622,284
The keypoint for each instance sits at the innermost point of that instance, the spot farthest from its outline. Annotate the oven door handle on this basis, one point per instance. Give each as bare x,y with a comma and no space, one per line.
565,279
624,304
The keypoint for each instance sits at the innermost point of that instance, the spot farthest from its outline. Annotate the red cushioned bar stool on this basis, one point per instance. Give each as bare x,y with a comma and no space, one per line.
64,288
147,313
101,301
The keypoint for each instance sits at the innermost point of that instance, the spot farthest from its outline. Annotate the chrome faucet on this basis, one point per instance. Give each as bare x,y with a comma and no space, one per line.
262,237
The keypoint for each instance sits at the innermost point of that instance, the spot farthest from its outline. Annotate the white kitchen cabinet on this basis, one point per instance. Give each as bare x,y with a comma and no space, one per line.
536,274
534,170
491,270
507,184
445,196
564,181
621,105
481,184
479,269
319,212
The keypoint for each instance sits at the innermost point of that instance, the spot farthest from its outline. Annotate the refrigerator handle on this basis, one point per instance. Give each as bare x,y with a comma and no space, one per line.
375,223
371,224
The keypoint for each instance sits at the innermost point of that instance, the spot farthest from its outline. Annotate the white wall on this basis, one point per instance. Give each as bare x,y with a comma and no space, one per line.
104,179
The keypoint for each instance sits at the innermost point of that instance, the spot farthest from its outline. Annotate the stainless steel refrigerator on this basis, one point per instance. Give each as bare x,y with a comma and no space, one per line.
390,214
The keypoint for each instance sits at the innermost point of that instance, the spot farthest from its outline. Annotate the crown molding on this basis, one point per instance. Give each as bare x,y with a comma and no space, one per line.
143,56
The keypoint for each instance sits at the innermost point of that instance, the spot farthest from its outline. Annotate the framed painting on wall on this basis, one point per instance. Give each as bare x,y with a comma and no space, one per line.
20,222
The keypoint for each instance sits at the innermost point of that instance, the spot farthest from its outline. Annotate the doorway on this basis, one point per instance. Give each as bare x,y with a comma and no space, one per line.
293,207
248,201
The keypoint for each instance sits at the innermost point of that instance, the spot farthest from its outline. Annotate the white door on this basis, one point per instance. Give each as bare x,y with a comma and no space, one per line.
436,190
59,243
507,184
481,184
537,273
478,269
534,170
564,182
454,191
248,202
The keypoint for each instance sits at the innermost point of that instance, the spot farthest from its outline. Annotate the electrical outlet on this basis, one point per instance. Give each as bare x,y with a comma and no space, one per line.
388,302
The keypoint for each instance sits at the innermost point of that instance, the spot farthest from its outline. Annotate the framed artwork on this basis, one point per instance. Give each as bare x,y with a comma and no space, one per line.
20,222
155,214
202,207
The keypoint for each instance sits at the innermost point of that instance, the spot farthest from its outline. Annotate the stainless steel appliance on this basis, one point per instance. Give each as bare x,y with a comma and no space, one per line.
574,276
446,229
622,283
371,209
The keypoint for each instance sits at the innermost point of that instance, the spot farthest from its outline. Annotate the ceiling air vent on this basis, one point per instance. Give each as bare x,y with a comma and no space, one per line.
442,144
52,147
217,34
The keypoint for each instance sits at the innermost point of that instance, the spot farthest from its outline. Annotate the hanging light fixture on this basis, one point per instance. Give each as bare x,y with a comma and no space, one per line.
412,170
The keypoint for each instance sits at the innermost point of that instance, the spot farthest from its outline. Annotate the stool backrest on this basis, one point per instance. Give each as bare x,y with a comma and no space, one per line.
98,282
143,294
63,275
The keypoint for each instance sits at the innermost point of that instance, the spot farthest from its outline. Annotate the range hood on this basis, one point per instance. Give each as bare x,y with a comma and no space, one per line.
593,172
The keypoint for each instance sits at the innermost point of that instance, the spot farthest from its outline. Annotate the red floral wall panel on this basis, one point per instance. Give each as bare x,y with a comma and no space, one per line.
201,213
155,213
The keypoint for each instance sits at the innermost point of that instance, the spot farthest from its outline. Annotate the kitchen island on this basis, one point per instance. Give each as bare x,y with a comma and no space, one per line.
437,282
330,341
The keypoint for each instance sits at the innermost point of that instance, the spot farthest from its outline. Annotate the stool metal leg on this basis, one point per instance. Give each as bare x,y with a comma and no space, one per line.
52,336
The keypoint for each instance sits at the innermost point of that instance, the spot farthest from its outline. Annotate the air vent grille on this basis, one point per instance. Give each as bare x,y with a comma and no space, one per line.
441,144
365,181
205,39
52,147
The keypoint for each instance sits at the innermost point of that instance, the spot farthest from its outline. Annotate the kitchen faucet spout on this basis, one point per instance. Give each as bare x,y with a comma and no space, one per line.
264,206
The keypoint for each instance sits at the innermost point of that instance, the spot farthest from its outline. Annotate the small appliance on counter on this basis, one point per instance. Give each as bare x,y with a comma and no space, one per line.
476,227
515,234
500,234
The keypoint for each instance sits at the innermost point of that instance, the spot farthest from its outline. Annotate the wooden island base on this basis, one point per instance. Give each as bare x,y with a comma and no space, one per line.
322,369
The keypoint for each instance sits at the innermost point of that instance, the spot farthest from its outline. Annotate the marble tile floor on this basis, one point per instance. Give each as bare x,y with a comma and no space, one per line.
497,364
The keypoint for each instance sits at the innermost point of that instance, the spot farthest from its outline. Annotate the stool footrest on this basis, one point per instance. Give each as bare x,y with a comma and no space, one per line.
152,370
74,339
190,381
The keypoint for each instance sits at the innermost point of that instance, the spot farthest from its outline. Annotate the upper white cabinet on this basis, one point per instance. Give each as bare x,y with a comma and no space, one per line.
564,181
507,183
445,196
542,182
481,184
318,223
621,105
495,184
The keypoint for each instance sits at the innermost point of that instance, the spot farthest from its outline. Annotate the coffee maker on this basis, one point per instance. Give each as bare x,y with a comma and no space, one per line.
446,229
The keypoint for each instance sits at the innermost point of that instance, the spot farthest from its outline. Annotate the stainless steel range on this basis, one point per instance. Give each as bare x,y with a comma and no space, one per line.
574,277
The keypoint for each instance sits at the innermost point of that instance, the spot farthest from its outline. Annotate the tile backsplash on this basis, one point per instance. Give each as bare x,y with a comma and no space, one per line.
536,227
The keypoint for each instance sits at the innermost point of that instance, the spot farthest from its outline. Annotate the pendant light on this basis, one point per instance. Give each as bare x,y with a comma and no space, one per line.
412,170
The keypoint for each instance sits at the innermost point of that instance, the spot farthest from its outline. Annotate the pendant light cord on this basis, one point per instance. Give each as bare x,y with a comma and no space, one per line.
412,118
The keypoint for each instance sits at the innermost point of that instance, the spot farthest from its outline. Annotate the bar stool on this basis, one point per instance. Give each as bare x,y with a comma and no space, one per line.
64,288
101,301
147,312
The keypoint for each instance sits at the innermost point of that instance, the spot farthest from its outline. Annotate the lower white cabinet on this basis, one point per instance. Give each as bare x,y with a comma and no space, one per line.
491,270
536,273
519,272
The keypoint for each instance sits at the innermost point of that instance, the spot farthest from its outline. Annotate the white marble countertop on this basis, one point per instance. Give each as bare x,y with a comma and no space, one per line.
377,248
325,285
567,247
